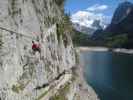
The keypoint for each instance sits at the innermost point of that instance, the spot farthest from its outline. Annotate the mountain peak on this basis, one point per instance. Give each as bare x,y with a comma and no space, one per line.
122,11
126,2
88,22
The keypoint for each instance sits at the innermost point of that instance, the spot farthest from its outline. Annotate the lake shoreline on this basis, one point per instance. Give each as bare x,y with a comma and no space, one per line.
109,74
103,49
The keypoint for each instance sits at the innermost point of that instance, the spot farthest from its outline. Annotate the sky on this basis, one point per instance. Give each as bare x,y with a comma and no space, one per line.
104,8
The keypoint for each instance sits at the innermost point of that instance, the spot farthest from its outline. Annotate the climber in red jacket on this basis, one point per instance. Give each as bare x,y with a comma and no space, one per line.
36,47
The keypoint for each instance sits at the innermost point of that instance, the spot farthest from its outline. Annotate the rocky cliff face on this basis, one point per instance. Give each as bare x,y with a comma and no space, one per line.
51,75
121,12
121,24
122,19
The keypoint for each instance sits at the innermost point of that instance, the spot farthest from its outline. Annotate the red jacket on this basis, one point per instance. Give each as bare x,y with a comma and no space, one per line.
34,46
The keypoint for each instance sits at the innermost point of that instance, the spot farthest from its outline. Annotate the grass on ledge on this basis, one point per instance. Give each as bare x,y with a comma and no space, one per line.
62,93
42,95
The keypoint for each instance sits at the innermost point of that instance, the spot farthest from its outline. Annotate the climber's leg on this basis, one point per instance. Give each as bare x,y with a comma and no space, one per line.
34,51
39,50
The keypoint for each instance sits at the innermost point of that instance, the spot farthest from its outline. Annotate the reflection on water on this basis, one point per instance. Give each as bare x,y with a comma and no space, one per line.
110,74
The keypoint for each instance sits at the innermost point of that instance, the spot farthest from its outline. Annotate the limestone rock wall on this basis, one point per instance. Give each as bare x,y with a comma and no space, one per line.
28,76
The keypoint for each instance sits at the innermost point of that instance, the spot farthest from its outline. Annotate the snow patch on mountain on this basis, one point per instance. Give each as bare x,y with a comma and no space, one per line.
86,18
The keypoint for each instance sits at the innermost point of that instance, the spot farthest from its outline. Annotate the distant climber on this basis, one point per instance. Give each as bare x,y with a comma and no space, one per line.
36,47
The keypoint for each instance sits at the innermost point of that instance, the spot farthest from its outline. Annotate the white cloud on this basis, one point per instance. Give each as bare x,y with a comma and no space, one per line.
97,7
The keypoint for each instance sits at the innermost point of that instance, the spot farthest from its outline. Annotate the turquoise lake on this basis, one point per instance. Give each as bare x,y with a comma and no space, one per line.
110,74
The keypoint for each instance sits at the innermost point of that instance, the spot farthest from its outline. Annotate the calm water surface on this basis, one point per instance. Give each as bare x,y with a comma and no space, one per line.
110,74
